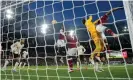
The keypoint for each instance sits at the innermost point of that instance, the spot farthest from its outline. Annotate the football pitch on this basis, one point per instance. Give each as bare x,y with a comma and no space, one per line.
117,72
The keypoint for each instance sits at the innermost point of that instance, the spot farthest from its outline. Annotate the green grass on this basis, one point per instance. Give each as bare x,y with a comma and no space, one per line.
52,73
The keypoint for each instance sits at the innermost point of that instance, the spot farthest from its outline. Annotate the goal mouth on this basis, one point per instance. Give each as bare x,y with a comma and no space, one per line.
45,40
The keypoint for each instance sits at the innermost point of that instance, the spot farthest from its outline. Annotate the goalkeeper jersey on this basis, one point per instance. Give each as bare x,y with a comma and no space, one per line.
91,27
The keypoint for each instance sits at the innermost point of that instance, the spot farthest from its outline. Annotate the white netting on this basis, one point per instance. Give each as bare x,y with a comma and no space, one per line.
33,21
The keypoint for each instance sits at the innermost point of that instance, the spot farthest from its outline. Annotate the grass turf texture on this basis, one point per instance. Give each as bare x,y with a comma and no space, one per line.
53,73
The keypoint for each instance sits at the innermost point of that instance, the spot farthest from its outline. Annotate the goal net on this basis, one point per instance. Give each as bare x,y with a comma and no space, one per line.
39,24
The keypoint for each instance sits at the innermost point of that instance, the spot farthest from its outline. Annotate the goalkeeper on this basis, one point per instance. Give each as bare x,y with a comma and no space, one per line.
96,37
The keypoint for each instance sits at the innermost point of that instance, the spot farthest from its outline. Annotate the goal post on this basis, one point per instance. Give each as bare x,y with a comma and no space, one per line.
128,5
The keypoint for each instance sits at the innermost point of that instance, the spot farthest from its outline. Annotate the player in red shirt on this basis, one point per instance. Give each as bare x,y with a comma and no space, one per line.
72,49
61,51
102,28
61,44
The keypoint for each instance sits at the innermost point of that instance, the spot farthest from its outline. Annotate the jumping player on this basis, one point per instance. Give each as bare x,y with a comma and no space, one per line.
96,37
102,29
96,30
100,26
61,44
72,49
61,51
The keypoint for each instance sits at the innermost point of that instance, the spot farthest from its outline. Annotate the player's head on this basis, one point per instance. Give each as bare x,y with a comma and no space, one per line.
89,19
22,41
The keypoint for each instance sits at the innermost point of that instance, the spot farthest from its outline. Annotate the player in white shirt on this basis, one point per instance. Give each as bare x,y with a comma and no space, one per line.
15,50
81,51
24,59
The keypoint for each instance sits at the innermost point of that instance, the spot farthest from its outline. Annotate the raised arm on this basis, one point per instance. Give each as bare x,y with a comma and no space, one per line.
85,22
62,32
95,22
112,10
108,13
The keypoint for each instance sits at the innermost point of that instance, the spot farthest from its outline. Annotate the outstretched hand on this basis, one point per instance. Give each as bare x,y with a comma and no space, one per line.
117,8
